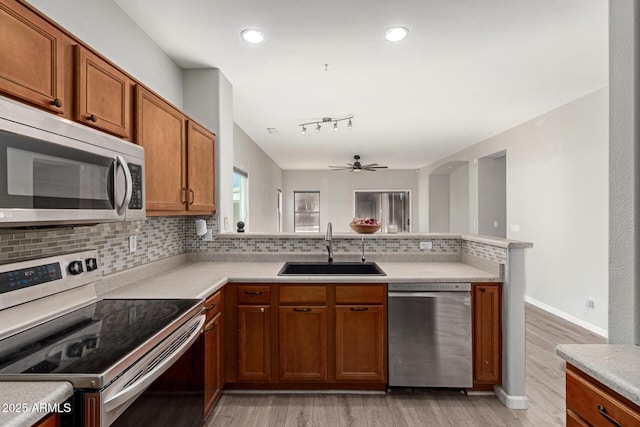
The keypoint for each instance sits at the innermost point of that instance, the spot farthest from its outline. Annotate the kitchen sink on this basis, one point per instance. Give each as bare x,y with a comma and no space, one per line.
331,269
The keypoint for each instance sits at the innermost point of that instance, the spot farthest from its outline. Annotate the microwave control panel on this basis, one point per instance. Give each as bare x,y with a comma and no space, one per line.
136,192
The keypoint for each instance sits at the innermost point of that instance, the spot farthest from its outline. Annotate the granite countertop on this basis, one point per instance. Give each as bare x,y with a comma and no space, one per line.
25,403
616,366
201,279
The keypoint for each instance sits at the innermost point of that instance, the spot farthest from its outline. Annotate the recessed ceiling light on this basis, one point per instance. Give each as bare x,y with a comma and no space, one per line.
395,34
252,36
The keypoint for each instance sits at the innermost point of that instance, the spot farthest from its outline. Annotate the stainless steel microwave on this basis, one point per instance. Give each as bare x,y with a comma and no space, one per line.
54,171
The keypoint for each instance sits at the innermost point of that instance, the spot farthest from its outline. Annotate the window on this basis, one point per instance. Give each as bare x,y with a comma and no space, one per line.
306,211
388,207
240,196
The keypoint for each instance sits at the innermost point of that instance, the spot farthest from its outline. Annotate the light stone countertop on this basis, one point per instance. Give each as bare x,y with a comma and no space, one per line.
616,366
201,279
15,397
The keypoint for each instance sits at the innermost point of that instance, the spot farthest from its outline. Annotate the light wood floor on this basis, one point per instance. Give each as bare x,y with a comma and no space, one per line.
412,407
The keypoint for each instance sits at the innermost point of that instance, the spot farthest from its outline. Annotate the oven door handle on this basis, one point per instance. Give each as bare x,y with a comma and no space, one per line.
149,377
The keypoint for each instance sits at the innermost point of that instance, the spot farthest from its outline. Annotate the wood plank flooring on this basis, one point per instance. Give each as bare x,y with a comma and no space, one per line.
424,407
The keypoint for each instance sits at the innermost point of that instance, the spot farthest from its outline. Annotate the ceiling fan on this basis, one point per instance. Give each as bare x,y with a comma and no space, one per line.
357,167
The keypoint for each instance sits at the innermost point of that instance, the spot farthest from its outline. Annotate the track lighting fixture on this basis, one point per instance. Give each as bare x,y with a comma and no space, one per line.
326,120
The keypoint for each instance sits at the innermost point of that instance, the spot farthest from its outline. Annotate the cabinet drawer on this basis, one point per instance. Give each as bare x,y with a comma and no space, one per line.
596,404
212,305
254,294
574,420
295,294
361,294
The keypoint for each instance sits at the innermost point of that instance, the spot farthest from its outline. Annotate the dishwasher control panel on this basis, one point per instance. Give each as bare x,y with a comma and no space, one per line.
429,287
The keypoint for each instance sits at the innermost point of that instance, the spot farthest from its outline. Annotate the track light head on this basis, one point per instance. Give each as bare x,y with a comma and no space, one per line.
335,126
304,130
317,127
349,125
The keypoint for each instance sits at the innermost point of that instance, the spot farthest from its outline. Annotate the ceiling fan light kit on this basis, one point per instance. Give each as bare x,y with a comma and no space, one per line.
357,167
318,123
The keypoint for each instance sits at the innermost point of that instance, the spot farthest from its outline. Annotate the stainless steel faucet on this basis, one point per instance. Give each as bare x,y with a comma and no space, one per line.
329,238
363,260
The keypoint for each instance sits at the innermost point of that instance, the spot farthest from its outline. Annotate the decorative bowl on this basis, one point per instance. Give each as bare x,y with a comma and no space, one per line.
364,228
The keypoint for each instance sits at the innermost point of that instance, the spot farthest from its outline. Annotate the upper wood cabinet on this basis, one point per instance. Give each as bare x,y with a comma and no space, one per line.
200,168
103,94
160,129
486,333
32,52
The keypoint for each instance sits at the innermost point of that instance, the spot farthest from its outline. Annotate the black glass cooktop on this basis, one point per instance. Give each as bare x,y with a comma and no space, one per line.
89,340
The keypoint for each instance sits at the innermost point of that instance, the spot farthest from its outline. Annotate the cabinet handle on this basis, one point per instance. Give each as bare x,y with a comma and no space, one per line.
608,417
207,329
253,292
359,308
302,310
56,102
193,196
92,118
211,307
184,194
483,289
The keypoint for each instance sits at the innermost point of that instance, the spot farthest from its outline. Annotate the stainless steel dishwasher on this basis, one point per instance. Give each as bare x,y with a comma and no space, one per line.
430,335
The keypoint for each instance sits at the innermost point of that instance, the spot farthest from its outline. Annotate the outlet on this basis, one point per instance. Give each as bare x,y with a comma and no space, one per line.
226,223
591,302
426,245
496,224
133,240
208,236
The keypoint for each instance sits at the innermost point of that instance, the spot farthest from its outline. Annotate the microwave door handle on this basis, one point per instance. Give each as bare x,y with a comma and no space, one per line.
128,184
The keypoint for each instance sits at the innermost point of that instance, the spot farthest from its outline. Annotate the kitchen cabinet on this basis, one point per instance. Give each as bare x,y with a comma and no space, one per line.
590,403
179,158
213,351
254,333
161,130
360,334
320,336
487,346
32,69
103,95
302,333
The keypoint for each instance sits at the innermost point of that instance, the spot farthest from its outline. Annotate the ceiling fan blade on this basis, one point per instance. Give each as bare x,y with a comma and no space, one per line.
369,169
369,165
379,167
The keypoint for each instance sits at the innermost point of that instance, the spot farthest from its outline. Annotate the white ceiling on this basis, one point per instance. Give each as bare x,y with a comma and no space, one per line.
468,70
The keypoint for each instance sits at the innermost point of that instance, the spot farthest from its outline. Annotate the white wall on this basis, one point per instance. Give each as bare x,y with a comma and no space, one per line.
336,193
459,200
439,203
624,244
105,27
557,193
265,178
208,98
492,196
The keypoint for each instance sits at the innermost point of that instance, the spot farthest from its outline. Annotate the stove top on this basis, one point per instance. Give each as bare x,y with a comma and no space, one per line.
94,341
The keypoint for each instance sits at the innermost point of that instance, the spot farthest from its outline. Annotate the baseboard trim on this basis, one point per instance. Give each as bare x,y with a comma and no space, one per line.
568,317
511,402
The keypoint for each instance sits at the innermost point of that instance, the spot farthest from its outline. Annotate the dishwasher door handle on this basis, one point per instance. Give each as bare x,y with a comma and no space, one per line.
429,294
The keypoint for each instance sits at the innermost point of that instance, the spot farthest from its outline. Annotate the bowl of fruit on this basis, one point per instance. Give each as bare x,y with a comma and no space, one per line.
365,225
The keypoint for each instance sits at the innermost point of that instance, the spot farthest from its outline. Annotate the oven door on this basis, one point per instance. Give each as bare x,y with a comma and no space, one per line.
164,387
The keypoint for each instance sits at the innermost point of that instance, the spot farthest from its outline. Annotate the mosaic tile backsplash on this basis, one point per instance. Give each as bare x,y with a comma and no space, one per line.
492,253
157,238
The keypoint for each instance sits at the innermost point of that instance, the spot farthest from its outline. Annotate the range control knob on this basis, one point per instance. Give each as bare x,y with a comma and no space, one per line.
92,264
75,267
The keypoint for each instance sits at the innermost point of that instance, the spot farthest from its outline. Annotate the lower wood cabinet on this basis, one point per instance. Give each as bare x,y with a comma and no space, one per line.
306,335
590,403
302,338
487,343
254,343
360,343
213,365
51,420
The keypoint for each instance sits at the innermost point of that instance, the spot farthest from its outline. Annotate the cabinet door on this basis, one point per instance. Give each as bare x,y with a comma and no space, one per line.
201,168
32,52
486,333
161,131
302,335
103,95
212,362
360,343
254,343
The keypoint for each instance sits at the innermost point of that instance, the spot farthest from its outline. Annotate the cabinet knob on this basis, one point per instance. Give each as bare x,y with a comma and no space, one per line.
261,309
92,118
56,102
483,289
